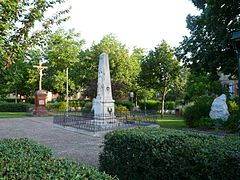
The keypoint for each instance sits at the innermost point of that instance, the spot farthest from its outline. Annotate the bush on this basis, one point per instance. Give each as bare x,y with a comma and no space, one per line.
200,109
156,105
233,106
57,106
121,109
13,107
25,159
125,103
206,122
87,107
160,153
233,121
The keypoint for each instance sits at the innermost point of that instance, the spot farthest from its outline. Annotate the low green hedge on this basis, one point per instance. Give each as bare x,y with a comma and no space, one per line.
25,159
156,105
126,103
13,107
160,153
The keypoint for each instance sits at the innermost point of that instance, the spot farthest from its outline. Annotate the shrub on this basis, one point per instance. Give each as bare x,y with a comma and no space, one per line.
160,153
156,105
233,106
25,159
233,121
121,109
150,105
87,107
200,109
13,107
206,122
57,106
125,103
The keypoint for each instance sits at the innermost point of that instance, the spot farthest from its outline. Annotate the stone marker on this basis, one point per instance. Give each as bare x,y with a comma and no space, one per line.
219,109
103,104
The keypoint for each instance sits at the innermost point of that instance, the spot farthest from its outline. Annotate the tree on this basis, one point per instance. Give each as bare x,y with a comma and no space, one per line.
208,48
17,22
160,70
18,35
123,68
62,51
201,84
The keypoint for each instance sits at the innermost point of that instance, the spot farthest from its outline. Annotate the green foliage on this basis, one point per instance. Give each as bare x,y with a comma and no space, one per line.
87,107
57,106
208,48
233,122
25,159
202,84
233,106
160,153
200,109
126,103
160,70
121,109
206,122
156,105
13,107
62,51
124,68
17,28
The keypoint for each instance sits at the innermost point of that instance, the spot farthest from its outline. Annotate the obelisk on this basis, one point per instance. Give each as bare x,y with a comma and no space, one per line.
103,104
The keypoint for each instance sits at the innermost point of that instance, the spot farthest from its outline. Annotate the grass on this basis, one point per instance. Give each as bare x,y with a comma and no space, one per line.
171,121
13,114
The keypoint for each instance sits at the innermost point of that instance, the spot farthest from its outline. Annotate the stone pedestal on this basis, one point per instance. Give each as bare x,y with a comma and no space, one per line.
40,103
103,109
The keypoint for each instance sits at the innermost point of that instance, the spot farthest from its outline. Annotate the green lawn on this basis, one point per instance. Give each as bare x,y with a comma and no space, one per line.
171,121
13,114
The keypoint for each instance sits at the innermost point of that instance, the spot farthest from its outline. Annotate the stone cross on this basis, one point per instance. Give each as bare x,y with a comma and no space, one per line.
41,68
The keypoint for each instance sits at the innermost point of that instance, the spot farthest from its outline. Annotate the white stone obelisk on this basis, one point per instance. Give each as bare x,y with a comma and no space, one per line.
103,104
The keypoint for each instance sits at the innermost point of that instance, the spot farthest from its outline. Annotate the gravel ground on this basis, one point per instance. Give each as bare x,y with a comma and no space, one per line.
83,147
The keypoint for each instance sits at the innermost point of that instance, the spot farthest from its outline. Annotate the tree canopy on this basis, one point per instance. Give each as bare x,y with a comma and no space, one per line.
18,20
124,68
208,48
160,70
62,51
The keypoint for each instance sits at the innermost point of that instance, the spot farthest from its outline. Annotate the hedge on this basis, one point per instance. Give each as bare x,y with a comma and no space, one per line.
25,159
195,113
126,103
156,105
160,153
13,107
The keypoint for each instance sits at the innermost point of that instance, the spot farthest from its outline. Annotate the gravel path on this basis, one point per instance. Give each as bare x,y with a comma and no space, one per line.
82,147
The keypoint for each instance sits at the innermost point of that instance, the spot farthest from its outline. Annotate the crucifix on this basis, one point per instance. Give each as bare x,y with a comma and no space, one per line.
41,68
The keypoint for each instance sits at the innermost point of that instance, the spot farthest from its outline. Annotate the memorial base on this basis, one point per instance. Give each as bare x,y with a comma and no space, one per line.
40,103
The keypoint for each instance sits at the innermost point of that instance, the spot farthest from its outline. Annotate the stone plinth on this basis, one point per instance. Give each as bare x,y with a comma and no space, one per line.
40,103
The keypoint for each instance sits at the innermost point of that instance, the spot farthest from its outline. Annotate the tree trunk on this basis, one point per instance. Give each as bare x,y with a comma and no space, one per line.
163,105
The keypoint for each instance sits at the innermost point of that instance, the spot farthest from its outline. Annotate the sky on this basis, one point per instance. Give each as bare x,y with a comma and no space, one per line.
140,23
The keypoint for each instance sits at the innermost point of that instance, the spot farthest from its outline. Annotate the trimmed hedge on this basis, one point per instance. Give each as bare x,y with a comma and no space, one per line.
126,103
13,107
160,153
156,105
25,159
